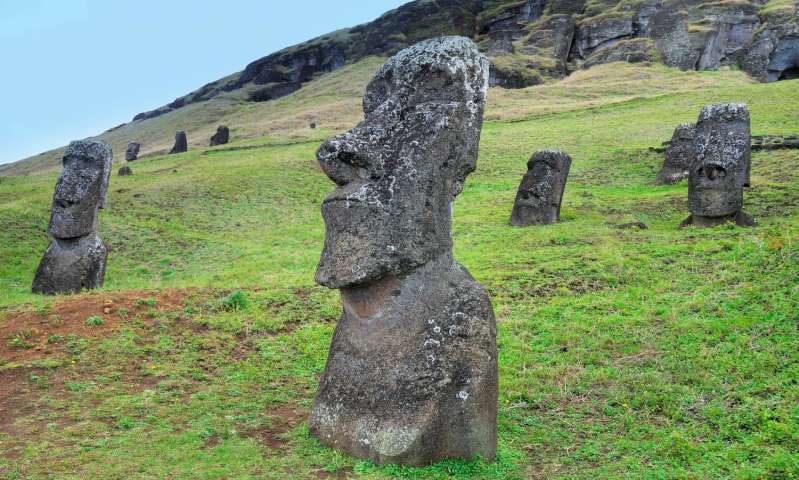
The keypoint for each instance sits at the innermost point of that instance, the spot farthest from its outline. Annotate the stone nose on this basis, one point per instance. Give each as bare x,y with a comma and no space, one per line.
342,160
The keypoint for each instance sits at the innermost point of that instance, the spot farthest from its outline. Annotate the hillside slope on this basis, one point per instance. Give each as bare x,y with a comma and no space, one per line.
657,353
528,42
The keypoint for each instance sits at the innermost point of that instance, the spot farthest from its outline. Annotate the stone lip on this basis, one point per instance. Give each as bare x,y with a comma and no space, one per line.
81,189
540,193
397,172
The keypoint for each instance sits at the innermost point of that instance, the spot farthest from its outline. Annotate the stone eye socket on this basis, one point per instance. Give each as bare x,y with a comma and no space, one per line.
712,172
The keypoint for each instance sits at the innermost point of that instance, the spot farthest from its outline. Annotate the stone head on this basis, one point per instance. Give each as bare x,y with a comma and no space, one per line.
398,172
719,171
81,189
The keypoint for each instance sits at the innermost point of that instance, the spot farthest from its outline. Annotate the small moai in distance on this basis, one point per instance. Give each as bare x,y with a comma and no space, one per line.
312,125
181,144
411,377
679,155
125,171
720,170
221,137
541,191
76,258
132,152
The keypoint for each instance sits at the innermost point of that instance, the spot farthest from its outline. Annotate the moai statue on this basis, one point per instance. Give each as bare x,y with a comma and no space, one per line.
132,152
679,155
125,171
221,136
75,260
721,168
541,191
181,144
411,377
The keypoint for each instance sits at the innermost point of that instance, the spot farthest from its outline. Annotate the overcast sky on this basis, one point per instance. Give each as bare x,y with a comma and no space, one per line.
74,68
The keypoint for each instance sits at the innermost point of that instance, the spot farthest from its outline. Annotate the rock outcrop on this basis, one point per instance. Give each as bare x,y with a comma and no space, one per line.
679,155
181,144
411,377
221,137
720,170
75,259
541,191
132,152
529,41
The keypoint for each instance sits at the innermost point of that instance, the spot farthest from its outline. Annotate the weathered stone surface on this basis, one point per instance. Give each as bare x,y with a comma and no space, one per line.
81,189
76,258
721,166
132,152
221,137
411,376
541,191
69,266
181,144
125,171
635,50
679,156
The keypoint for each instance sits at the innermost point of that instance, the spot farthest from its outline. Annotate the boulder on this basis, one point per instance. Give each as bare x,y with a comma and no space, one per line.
132,152
76,257
411,377
541,191
181,144
722,149
125,171
679,155
221,136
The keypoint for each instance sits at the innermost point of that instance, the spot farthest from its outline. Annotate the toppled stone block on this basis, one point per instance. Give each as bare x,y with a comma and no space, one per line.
541,191
411,377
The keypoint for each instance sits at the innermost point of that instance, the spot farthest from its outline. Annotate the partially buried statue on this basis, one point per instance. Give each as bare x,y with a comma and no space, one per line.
411,377
720,170
541,191
679,155
75,260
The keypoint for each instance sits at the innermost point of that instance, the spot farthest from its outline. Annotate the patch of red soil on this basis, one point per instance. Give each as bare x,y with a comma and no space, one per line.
280,421
24,333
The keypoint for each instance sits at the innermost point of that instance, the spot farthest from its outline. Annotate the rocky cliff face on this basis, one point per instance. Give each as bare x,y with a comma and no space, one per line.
530,41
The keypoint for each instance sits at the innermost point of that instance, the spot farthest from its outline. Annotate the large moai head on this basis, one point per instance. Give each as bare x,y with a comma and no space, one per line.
181,143
132,152
541,191
723,156
81,189
399,170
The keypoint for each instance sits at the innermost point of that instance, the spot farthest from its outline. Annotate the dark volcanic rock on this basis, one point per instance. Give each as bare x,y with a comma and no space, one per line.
631,51
70,266
721,166
76,258
541,191
221,136
181,144
132,152
412,373
125,171
679,156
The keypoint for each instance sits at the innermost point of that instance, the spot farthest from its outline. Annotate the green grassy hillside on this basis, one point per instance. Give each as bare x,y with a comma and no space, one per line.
657,353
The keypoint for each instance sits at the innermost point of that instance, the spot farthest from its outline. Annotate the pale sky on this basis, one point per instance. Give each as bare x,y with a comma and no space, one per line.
75,68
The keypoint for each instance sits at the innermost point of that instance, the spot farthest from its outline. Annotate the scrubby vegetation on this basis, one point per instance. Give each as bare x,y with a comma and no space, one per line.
657,353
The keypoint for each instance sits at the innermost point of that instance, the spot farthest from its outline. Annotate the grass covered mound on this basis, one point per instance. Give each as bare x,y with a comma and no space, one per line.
638,353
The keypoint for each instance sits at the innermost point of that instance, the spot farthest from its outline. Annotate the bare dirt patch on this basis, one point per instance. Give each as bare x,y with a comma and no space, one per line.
24,333
281,421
